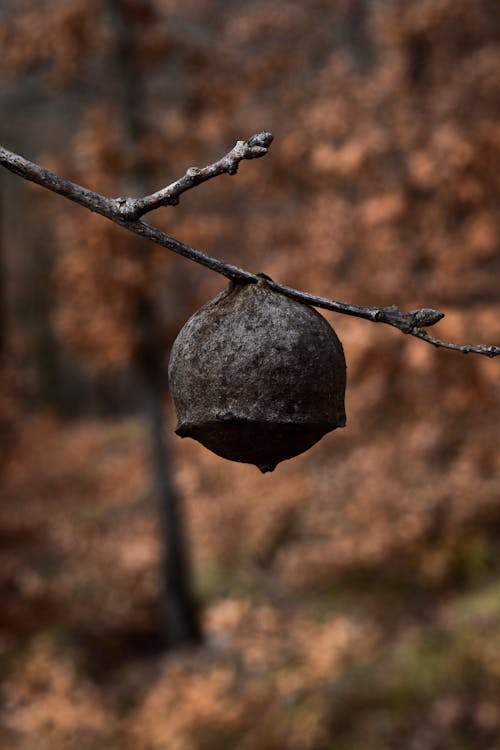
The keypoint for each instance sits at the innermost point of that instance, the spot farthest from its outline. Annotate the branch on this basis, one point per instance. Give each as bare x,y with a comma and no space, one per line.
126,212
254,148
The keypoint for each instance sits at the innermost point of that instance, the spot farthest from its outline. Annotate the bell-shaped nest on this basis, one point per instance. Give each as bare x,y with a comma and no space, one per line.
257,377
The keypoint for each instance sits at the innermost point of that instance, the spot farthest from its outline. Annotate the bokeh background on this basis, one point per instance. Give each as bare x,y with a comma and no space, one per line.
351,599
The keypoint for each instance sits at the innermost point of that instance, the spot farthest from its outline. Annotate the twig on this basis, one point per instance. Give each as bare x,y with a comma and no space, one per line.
254,148
126,212
487,350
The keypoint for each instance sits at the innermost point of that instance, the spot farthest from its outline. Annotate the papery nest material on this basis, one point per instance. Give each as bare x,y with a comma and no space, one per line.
257,377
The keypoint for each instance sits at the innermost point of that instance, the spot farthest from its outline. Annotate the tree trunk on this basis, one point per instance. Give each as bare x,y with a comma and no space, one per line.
179,613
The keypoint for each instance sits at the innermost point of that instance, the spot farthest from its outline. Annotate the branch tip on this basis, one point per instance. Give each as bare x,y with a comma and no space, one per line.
263,139
257,145
426,317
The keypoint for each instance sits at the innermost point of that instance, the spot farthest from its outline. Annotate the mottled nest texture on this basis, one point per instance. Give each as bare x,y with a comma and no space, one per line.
257,377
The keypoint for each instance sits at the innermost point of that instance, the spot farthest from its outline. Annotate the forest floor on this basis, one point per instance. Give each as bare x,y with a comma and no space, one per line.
393,647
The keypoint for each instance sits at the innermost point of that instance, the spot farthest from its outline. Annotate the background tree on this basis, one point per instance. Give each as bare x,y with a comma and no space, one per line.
132,333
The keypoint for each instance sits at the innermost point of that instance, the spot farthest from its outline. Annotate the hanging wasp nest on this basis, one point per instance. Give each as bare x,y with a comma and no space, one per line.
257,377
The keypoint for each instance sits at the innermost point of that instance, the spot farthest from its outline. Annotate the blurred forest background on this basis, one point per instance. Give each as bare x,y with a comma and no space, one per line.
351,599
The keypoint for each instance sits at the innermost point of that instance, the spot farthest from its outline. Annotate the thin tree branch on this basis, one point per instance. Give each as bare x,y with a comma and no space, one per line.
125,213
28,170
254,148
488,351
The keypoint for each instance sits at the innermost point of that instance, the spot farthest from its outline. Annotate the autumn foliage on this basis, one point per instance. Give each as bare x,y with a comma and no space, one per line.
351,598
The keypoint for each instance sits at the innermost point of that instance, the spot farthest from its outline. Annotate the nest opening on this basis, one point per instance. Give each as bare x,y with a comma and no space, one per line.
253,442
